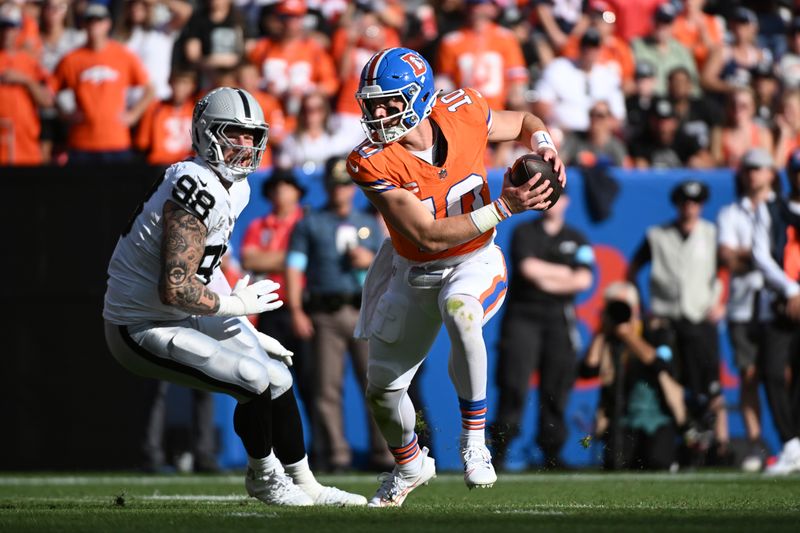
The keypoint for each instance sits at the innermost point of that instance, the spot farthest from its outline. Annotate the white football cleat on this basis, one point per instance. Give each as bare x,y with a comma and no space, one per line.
275,488
478,469
788,460
395,486
337,497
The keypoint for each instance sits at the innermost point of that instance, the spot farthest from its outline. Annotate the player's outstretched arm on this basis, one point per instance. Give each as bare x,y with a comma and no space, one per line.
410,217
529,130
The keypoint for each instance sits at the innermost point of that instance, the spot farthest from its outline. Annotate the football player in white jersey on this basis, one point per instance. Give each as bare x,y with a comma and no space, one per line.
171,315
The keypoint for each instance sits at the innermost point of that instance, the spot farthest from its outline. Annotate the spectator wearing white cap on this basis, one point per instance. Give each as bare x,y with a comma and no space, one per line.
747,311
776,253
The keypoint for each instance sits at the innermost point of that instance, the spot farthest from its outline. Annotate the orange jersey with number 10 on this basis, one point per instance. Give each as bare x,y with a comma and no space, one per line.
459,186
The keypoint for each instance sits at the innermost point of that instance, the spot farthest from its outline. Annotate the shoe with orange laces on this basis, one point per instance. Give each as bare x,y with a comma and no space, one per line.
395,486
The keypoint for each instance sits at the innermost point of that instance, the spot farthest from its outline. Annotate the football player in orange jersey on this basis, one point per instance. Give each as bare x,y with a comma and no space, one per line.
422,168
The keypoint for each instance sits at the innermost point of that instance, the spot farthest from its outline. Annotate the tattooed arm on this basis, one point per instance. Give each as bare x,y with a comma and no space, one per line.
182,248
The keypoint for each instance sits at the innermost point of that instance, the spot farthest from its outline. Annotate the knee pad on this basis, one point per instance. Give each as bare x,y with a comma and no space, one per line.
390,317
193,348
280,379
199,351
382,399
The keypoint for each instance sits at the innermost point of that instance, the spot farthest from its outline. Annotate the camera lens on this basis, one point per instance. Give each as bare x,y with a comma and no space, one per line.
618,312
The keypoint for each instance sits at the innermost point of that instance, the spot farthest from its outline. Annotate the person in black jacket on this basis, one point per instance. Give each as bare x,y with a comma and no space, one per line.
776,252
552,263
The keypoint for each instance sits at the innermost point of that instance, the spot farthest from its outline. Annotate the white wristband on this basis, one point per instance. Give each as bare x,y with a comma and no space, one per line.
230,306
489,216
541,140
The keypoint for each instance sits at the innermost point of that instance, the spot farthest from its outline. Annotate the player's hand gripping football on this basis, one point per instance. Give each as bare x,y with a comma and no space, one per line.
526,197
250,299
548,154
275,349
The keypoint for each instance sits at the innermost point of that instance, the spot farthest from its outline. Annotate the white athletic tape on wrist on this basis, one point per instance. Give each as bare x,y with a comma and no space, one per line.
490,215
230,306
541,140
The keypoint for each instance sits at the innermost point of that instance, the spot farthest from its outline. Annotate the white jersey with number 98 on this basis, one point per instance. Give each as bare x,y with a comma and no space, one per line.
133,273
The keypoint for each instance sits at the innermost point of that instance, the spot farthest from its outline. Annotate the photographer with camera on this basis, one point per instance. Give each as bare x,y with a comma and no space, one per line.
686,301
641,408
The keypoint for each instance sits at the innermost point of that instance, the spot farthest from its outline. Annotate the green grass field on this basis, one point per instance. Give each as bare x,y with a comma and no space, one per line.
714,501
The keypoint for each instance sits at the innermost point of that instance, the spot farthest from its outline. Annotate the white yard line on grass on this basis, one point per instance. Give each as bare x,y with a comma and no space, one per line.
58,480
194,497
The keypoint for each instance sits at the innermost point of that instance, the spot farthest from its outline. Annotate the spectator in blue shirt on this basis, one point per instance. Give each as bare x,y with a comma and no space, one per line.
333,247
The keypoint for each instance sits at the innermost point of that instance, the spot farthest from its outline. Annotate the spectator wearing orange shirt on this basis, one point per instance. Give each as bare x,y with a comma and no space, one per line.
60,34
248,78
28,38
614,51
164,133
484,56
361,33
99,74
293,63
740,131
788,130
635,18
22,89
698,31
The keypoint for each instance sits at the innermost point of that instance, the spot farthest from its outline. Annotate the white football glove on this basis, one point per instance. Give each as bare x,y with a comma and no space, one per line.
275,349
250,299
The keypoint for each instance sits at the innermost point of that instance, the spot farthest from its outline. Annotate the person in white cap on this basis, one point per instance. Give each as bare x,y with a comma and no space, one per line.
747,313
776,253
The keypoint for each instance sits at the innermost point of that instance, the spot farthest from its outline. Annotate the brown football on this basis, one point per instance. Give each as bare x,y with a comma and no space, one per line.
528,166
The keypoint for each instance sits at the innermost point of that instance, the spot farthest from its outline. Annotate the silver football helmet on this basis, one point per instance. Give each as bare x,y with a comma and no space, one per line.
219,110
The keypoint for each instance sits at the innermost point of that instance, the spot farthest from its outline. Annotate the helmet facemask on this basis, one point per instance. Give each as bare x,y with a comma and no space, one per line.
379,130
219,120
237,162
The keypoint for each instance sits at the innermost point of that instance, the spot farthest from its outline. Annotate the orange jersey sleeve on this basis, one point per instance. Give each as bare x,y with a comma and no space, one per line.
456,187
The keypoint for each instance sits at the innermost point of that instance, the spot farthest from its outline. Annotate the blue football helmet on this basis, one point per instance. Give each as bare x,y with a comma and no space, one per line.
398,72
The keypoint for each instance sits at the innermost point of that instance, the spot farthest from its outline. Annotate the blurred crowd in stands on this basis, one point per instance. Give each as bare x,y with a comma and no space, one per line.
694,82
619,83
